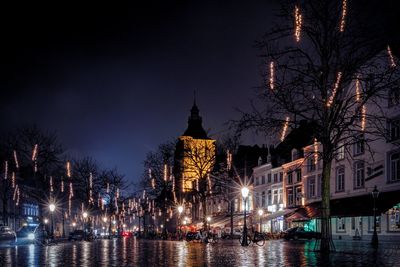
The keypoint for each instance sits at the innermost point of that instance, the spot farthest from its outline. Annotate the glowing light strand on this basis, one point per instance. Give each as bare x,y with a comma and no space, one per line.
392,63
13,179
335,88
285,127
358,89
68,169
51,184
165,172
298,23
315,151
35,152
5,170
272,75
16,159
363,117
343,18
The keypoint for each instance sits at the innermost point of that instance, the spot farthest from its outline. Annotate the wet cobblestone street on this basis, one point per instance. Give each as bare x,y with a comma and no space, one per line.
133,252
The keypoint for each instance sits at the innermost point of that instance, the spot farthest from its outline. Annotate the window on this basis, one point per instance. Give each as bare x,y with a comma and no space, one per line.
341,225
394,171
394,97
341,151
280,196
394,220
236,204
275,200
319,185
359,174
299,195
340,179
371,223
311,187
257,180
310,164
263,199
290,196
269,178
290,178
275,177
258,200
269,197
358,146
280,176
298,176
263,179
394,129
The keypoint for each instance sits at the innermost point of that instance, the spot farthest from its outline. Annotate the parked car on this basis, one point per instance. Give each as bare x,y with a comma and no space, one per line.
7,235
76,235
300,233
126,234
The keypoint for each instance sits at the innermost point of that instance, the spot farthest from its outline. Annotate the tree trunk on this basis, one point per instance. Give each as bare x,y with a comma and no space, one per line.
326,244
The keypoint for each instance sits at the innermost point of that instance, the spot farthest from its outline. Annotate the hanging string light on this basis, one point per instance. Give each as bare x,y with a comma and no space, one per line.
69,204
13,179
68,169
391,58
358,88
51,183
71,190
209,183
298,23
16,159
285,127
117,194
343,18
35,152
91,188
363,117
272,75
62,184
15,193
315,151
108,188
229,159
17,197
5,170
35,168
165,172
335,88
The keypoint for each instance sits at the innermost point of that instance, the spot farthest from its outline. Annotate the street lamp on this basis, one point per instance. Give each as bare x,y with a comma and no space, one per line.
260,213
374,241
52,208
245,194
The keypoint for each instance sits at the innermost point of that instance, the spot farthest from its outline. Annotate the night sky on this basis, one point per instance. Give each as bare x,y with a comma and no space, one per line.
116,81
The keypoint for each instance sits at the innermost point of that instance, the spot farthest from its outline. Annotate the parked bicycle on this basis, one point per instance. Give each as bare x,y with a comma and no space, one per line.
255,238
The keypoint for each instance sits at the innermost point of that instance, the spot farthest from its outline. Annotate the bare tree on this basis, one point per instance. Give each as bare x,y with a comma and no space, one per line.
321,65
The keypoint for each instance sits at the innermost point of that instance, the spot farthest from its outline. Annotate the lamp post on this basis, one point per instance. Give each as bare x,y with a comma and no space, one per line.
208,222
52,208
245,193
180,210
374,241
260,213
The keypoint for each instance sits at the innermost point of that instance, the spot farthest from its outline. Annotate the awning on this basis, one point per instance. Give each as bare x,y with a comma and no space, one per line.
279,214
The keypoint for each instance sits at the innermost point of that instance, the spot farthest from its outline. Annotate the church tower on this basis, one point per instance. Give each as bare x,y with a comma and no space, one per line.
194,156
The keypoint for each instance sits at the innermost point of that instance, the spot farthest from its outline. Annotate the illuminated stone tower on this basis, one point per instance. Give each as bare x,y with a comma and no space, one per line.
194,156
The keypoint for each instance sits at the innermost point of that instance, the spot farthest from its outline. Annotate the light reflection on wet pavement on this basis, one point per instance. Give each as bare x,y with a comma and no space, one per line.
132,252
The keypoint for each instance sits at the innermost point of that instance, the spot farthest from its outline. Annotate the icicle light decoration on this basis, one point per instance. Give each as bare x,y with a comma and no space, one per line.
272,75
229,159
5,170
165,172
17,197
68,169
358,89
71,190
298,23
51,184
343,18
15,193
16,159
91,188
62,185
144,194
315,151
389,51
335,88
285,127
35,168
108,188
13,179
69,205
35,152
209,183
363,117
